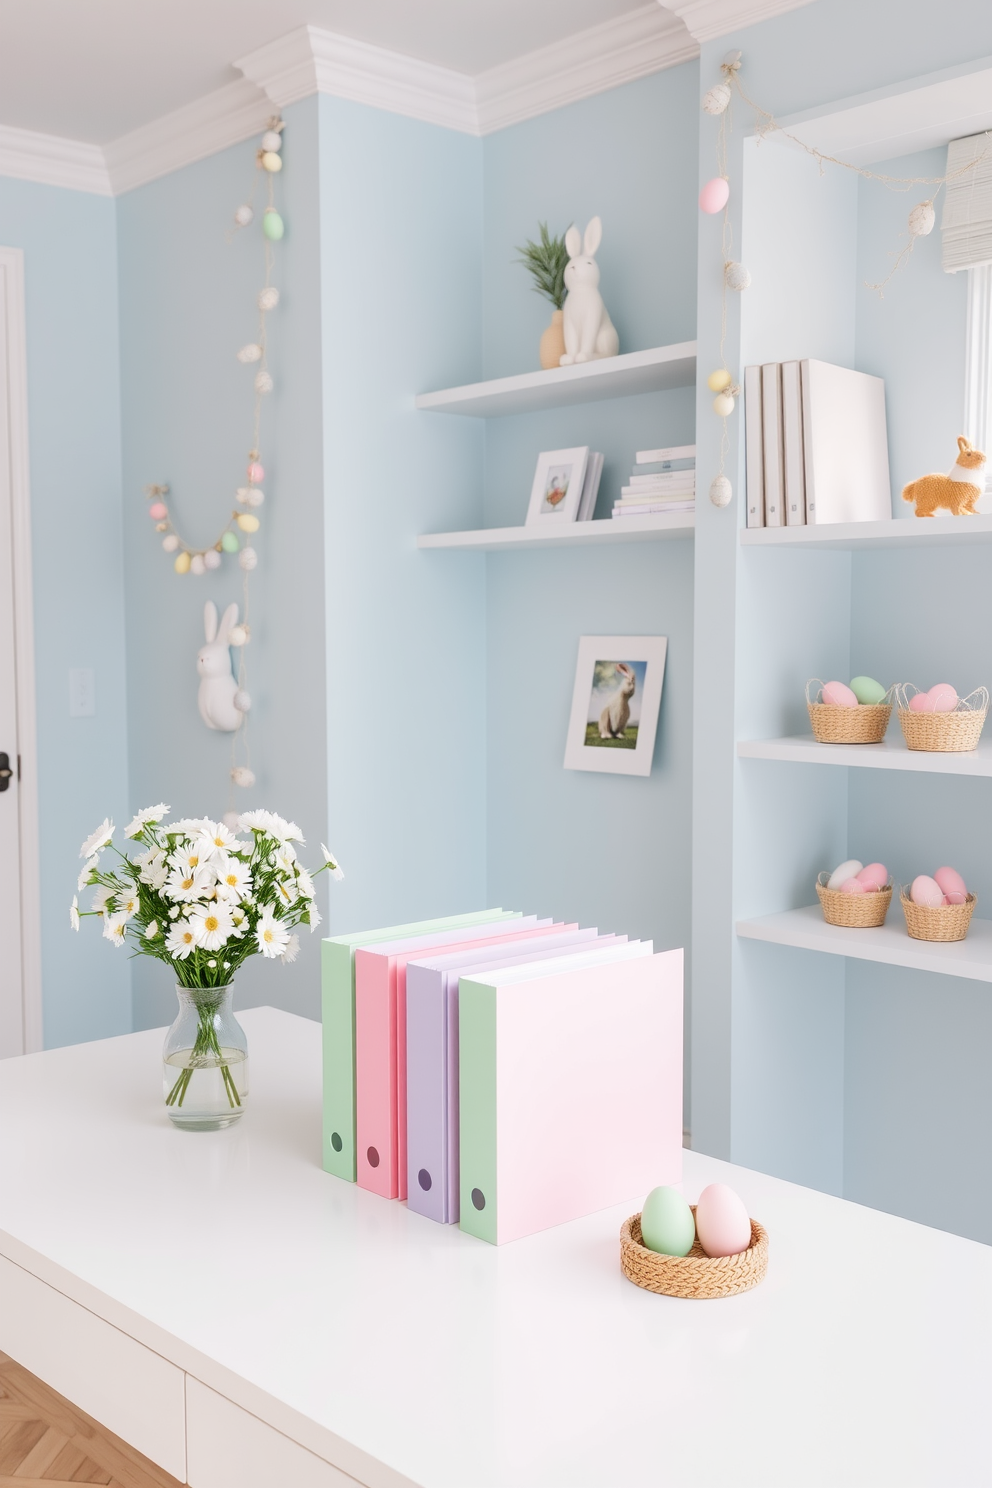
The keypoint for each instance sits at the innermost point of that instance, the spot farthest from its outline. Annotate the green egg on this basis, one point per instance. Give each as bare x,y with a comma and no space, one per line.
867,690
229,542
272,225
667,1225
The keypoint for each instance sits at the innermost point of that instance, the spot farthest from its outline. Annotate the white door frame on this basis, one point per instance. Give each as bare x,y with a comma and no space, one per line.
13,347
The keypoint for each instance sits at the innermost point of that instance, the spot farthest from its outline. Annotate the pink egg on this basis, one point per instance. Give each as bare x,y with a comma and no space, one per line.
714,195
926,891
158,510
922,702
873,876
853,886
255,473
722,1223
839,695
952,884
944,698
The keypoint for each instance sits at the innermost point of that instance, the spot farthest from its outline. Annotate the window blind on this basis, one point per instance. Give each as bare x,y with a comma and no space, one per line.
966,224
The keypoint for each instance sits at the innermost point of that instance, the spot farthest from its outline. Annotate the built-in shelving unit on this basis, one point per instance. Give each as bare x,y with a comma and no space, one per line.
899,533
656,370
575,534
891,754
807,930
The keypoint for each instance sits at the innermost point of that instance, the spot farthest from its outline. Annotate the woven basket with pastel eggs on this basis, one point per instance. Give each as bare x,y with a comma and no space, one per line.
938,908
939,721
700,1251
854,896
839,714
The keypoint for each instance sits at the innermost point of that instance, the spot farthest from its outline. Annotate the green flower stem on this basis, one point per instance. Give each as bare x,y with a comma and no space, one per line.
205,1045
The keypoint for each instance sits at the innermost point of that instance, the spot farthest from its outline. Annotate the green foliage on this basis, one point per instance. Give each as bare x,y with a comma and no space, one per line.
593,741
546,261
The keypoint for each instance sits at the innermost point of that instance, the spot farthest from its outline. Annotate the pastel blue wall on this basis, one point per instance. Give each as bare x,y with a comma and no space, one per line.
70,268
611,850
188,302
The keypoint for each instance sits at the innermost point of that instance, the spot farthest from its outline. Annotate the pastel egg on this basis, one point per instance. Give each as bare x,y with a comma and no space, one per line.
714,195
722,1222
873,876
271,161
867,690
836,695
667,1225
272,140
717,381
924,890
272,224
945,699
248,523
182,563
953,885
922,702
723,404
158,510
229,543
853,886
255,473
849,869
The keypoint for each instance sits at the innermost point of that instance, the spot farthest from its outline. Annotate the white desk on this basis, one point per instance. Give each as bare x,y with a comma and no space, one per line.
218,1300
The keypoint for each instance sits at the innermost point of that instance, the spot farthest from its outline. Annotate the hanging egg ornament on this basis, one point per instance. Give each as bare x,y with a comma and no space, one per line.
250,353
272,225
197,565
181,564
211,558
272,140
714,195
238,635
263,382
248,558
242,700
243,215
736,276
241,775
268,298
255,473
723,404
242,493
717,99
271,161
158,510
248,523
170,543
921,219
720,491
255,496
229,543
717,381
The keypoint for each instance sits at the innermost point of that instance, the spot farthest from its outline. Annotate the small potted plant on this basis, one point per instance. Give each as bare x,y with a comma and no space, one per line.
203,900
545,261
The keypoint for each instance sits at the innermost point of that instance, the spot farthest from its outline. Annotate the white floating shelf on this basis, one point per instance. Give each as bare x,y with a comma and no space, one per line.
806,929
573,534
899,533
656,370
891,754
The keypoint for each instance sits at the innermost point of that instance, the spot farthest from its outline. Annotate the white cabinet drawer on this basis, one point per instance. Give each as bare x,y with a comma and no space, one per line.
229,1448
123,1385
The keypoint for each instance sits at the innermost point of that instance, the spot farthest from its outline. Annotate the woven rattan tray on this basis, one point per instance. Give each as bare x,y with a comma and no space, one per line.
943,733
695,1275
941,922
865,724
853,911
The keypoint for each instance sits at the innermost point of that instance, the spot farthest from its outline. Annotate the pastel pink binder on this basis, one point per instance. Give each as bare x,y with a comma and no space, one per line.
380,1045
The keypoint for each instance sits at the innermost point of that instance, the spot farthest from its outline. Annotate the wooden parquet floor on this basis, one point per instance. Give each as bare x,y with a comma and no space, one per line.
47,1443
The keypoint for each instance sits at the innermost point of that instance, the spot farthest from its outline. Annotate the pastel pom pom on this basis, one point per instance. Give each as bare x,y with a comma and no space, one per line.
873,876
248,558
241,775
229,543
268,298
736,276
943,697
272,224
714,195
926,891
853,886
182,563
255,496
170,543
953,885
836,695
717,381
211,558
250,353
243,215
922,702
158,510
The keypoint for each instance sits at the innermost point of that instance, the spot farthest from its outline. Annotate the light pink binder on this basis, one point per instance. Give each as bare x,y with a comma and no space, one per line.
380,1045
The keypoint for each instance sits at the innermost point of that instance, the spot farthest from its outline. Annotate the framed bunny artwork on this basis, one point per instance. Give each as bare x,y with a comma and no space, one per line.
615,704
557,488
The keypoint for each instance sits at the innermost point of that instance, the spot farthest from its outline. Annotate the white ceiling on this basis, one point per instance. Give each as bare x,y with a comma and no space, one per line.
96,69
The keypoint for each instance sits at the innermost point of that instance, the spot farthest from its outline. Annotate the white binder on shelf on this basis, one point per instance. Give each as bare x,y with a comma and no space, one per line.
846,445
755,469
794,469
771,421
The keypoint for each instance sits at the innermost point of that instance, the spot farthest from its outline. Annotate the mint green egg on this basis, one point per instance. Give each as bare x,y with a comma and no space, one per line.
667,1225
229,542
867,690
272,225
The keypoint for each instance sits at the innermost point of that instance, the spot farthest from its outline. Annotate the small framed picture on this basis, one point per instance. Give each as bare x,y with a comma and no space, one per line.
615,704
557,488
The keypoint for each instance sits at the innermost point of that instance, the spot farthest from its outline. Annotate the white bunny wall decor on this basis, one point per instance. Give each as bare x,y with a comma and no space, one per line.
589,331
218,685
616,715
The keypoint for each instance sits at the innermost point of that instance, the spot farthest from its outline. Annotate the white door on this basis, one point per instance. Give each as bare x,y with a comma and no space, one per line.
20,998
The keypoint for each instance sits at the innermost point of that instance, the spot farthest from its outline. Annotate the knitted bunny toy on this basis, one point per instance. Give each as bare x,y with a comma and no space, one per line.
957,491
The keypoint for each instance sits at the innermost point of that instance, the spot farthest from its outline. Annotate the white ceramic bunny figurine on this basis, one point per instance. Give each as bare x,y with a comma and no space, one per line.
217,680
589,331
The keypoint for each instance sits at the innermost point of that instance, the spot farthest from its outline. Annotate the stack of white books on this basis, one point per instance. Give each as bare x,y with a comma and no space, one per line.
663,480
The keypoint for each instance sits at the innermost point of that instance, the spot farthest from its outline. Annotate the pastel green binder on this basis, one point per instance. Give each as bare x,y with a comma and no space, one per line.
338,1016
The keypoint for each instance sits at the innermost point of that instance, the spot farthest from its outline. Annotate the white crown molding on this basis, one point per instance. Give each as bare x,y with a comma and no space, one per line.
633,45
707,19
51,161
311,61
225,117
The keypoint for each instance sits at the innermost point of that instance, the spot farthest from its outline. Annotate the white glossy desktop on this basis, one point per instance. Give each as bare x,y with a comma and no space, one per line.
250,1322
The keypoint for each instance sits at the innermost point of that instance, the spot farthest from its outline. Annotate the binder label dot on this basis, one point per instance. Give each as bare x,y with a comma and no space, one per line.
424,1179
373,1157
478,1198
336,1142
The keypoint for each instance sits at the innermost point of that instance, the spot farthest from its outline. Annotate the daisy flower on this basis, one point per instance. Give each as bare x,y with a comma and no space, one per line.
115,928
98,839
101,897
284,859
86,870
188,827
74,913
215,841
255,821
186,884
333,866
233,878
153,868
127,904
152,931
272,937
287,892
314,917
153,814
304,883
292,949
181,942
188,858
211,925
239,920
285,831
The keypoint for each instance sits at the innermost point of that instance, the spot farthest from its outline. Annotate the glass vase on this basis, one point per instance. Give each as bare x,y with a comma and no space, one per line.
205,1061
